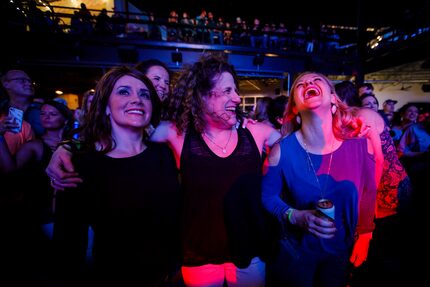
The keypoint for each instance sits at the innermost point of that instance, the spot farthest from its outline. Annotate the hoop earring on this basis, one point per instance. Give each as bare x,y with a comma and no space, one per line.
298,119
333,109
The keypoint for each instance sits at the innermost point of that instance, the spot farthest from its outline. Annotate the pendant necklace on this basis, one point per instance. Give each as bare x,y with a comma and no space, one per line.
312,165
224,149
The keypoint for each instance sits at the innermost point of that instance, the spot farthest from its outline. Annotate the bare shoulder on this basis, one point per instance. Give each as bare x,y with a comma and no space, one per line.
264,133
257,127
274,155
372,118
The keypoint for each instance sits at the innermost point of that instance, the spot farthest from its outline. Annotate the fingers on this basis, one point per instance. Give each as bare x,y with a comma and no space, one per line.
58,173
61,184
322,232
353,258
365,129
68,166
320,227
8,124
63,158
247,121
356,260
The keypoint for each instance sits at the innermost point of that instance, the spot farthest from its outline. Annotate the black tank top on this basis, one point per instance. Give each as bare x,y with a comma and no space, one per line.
222,208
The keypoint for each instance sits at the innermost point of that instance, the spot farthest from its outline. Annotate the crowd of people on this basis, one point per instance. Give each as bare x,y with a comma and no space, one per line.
179,189
205,27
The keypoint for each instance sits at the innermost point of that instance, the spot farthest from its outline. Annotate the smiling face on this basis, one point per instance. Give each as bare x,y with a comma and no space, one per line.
129,105
369,101
411,114
222,101
161,80
311,91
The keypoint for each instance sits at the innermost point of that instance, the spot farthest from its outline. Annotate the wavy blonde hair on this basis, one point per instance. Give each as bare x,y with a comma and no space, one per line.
343,119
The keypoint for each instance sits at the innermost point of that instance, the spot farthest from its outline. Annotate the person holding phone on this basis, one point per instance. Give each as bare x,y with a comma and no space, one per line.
17,117
20,89
11,132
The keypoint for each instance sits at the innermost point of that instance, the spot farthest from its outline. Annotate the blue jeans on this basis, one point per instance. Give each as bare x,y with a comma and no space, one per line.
299,268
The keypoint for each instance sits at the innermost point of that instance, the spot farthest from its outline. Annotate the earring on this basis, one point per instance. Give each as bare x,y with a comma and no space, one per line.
333,109
298,119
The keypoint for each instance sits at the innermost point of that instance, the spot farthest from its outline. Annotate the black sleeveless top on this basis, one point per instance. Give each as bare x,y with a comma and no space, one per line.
224,220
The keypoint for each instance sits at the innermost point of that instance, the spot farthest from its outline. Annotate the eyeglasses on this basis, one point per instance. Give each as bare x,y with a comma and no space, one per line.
23,81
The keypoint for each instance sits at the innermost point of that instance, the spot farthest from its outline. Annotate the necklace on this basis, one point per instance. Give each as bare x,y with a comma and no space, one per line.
224,149
322,190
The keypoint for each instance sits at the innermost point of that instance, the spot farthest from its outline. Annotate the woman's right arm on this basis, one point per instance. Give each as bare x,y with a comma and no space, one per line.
167,132
61,170
272,186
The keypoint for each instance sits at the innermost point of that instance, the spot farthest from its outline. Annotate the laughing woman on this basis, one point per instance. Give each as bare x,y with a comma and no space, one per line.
319,162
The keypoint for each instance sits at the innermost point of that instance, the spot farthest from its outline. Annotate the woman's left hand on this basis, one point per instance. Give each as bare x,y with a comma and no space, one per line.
361,249
360,127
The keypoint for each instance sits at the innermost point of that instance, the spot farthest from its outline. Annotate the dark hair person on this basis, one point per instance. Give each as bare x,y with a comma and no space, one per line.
129,194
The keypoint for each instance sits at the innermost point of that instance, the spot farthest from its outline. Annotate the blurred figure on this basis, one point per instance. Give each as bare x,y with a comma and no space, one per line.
82,112
261,112
103,25
276,111
408,116
347,92
365,88
388,110
369,100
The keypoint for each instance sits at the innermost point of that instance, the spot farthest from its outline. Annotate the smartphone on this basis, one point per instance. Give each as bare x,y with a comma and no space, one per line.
18,115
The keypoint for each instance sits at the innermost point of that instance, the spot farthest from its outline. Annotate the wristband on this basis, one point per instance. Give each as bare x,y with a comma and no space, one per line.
289,215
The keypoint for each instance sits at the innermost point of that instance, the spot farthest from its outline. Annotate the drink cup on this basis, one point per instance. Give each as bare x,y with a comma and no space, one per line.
325,208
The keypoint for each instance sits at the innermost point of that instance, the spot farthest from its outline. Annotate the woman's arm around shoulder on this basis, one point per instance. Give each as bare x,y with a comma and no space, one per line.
264,135
376,126
167,132
372,119
272,184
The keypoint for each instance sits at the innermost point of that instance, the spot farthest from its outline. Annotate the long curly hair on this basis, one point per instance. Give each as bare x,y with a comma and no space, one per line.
97,128
343,118
186,106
